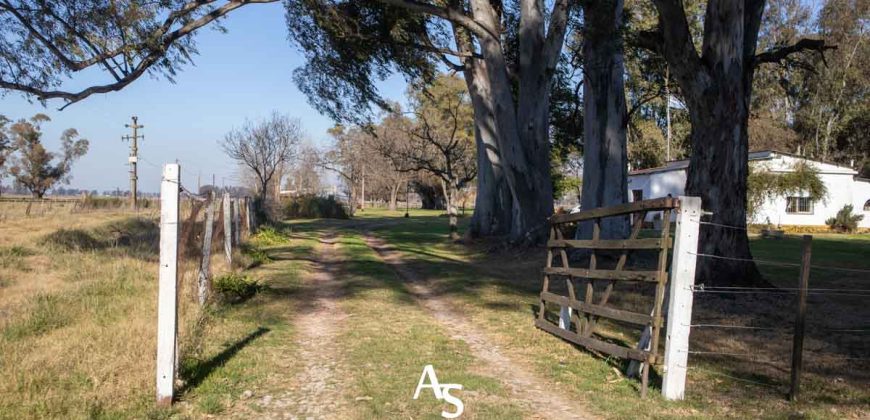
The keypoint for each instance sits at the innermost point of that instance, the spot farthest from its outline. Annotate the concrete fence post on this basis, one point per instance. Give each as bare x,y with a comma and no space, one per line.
167,306
680,298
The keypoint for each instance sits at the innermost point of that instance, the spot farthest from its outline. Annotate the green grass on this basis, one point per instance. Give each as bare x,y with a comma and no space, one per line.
500,290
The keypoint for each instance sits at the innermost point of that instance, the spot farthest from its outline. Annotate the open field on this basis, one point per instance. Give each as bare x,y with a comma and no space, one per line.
335,332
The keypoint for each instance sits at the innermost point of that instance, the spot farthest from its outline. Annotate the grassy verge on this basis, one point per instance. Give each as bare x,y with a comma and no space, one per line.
499,291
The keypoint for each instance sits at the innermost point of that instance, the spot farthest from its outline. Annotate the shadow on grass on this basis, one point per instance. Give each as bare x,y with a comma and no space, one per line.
195,373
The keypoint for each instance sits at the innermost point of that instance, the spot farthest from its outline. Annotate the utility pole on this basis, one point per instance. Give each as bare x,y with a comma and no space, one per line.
134,157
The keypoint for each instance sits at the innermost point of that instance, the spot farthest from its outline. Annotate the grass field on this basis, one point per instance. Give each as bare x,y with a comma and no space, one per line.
78,315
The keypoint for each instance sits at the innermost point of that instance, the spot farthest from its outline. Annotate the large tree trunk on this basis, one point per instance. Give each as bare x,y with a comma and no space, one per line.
605,171
719,161
522,136
493,203
717,86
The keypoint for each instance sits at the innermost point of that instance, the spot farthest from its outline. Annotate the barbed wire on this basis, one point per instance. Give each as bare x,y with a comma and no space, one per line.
722,225
742,327
733,377
779,263
739,355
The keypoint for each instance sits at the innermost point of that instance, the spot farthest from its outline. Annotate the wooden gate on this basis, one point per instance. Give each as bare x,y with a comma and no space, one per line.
580,327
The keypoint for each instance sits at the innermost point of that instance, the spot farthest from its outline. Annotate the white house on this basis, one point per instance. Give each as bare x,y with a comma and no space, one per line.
843,184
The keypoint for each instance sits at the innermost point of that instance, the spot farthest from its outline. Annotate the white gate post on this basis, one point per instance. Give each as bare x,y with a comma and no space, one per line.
228,229
167,304
680,298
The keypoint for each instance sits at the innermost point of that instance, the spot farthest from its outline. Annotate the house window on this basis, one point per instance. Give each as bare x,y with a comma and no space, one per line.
867,205
636,195
799,205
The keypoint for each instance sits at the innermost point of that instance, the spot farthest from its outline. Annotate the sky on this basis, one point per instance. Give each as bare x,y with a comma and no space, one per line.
243,74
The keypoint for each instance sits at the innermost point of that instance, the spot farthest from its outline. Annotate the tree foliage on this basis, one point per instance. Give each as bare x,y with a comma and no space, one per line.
31,165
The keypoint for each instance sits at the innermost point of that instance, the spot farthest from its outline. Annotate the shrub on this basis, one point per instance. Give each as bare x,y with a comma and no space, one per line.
235,287
314,207
268,236
72,240
845,221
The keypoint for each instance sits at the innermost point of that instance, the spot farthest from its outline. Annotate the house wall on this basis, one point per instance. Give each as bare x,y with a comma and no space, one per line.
658,184
842,186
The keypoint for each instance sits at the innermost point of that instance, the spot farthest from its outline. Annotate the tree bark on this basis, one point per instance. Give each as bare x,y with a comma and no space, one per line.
605,171
394,195
523,140
717,86
452,214
493,203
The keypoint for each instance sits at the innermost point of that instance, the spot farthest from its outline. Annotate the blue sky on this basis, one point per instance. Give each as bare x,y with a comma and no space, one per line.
245,73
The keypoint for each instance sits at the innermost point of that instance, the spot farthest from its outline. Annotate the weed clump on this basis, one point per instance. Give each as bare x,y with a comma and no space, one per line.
73,240
268,236
311,206
47,314
234,288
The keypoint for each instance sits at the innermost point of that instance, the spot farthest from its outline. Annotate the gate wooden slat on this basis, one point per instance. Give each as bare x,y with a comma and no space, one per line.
593,343
647,243
646,276
637,206
591,308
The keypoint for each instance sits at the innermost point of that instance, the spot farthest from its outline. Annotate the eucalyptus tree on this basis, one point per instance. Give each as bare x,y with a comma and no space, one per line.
716,83
32,165
507,52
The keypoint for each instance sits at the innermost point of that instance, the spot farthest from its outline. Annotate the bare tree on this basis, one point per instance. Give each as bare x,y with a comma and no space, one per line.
440,140
264,147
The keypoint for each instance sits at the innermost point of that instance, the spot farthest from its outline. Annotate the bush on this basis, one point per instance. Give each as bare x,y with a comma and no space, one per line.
234,287
314,207
268,236
845,221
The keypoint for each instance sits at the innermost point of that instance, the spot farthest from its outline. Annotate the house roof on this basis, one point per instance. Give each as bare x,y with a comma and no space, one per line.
681,164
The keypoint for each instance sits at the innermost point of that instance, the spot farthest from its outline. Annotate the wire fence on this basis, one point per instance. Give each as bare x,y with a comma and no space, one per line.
821,330
201,236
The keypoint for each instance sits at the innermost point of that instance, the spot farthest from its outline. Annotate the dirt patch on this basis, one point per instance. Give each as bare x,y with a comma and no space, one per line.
536,394
316,391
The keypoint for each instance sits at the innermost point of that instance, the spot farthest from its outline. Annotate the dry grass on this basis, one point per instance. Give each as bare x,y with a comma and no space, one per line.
78,315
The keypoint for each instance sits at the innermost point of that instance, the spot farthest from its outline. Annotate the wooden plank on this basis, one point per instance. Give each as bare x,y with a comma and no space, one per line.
602,311
647,276
797,353
204,266
167,297
680,298
228,229
647,243
592,343
637,206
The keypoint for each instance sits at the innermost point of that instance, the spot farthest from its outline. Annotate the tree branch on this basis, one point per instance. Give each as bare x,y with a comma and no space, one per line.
155,52
778,54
